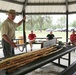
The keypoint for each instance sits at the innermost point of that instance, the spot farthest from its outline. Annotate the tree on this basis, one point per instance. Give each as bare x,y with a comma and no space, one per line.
48,21
74,23
38,22
61,22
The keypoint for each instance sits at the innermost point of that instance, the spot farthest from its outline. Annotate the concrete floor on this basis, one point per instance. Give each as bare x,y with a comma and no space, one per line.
52,69
48,69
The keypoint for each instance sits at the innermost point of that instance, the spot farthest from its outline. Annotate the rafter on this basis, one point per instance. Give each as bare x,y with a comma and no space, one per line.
74,12
17,2
45,13
13,1
73,2
45,4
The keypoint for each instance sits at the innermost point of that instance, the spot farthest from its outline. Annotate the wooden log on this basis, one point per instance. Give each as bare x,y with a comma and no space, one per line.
15,62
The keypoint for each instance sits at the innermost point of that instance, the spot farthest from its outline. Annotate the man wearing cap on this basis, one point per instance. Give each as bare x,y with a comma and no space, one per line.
8,33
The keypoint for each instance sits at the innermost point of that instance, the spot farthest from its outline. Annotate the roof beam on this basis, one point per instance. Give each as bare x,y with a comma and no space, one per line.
73,2
13,1
46,13
17,2
72,12
53,13
46,4
3,11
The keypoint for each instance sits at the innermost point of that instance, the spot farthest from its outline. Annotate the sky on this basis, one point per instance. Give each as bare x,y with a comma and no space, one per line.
71,18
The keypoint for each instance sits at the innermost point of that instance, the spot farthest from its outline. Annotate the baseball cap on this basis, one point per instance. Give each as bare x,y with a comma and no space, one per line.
11,11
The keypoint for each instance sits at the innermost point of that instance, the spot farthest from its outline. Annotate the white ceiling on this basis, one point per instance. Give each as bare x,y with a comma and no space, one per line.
39,6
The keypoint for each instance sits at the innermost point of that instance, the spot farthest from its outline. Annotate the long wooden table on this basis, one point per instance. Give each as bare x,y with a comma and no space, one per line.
44,60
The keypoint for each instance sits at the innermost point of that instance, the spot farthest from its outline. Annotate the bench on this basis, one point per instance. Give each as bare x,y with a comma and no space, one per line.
43,43
24,45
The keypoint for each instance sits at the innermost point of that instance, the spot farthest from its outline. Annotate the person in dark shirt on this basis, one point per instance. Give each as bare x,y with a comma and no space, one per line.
50,36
